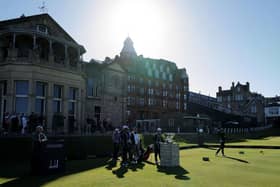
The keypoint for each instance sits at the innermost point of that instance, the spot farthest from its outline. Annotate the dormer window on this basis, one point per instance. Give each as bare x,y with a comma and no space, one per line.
42,29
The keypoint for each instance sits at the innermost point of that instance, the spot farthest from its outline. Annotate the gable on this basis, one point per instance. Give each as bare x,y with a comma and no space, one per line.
31,23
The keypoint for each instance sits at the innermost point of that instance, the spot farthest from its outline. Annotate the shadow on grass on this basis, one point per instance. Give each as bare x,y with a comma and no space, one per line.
21,173
124,169
237,159
178,171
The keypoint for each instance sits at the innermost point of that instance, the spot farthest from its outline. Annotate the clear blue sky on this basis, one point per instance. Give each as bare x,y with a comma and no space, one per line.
217,41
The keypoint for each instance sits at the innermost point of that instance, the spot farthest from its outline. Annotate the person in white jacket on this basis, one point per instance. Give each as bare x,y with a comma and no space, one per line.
23,120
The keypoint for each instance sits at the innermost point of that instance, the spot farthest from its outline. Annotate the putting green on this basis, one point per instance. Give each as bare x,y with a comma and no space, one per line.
255,167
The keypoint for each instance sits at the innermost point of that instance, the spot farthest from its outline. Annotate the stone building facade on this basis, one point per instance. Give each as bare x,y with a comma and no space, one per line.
106,94
154,87
240,100
41,72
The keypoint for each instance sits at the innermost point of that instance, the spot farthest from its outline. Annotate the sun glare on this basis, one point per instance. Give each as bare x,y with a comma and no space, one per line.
143,21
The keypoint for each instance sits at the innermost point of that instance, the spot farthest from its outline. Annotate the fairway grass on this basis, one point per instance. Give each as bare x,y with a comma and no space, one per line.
254,168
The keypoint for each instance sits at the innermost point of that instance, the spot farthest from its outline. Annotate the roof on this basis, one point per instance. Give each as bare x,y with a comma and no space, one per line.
30,18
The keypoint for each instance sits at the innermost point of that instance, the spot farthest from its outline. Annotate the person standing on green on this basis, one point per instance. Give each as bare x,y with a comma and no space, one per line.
157,139
222,142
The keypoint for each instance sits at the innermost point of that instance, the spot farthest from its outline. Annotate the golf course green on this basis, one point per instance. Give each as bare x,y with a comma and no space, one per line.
240,167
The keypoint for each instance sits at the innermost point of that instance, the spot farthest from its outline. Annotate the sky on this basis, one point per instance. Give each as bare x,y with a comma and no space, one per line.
217,41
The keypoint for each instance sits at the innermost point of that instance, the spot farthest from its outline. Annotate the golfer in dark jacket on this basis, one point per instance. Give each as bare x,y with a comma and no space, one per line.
222,142
157,139
125,144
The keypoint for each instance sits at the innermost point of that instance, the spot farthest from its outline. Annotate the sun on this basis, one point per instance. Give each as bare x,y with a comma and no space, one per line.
143,21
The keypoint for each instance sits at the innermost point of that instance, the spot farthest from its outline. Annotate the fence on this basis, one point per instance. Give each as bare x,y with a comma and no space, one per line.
246,130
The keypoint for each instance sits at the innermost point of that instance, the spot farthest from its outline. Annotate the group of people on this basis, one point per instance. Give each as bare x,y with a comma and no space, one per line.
128,144
14,123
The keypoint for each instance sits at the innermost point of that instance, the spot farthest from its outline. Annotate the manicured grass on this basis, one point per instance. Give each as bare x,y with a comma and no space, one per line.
255,167
271,141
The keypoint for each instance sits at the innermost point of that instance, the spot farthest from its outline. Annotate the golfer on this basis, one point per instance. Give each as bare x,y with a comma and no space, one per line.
222,142
157,139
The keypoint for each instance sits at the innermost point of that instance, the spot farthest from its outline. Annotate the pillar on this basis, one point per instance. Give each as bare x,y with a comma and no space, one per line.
66,59
14,40
34,41
51,57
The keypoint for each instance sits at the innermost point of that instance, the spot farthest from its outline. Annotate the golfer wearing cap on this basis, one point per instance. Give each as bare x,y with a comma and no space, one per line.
157,139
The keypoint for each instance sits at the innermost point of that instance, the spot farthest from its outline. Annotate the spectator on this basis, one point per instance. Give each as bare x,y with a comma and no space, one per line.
116,141
125,144
7,123
23,125
14,123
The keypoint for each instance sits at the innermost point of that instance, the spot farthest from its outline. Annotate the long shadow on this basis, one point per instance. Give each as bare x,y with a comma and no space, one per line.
237,159
178,171
120,172
24,179
111,164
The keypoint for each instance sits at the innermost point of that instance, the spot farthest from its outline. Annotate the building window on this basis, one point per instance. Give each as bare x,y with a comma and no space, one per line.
168,69
129,101
128,112
164,76
185,106
150,74
72,96
170,77
150,101
150,91
57,98
90,87
228,98
254,109
41,92
178,95
42,29
142,91
238,89
238,97
21,90
171,123
185,96
219,99
164,103
128,88
177,105
157,74
273,110
142,101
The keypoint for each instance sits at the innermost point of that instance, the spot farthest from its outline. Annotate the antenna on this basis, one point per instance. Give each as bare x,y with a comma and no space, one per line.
43,7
